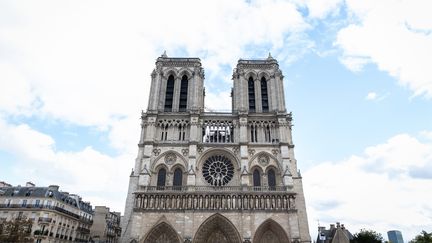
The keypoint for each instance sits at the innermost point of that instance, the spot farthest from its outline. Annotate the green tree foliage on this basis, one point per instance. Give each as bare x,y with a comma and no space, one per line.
423,237
17,230
367,236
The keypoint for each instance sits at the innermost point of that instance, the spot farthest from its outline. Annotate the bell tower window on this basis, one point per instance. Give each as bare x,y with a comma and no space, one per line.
264,95
169,93
251,94
183,93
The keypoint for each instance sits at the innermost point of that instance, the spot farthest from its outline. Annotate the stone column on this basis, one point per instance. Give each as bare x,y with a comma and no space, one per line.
258,97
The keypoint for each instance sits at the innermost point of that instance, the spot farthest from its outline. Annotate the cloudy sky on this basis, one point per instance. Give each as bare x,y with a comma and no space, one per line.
75,75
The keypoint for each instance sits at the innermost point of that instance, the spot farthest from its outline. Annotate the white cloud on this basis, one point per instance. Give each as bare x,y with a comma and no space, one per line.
394,35
371,96
377,190
322,8
89,64
88,172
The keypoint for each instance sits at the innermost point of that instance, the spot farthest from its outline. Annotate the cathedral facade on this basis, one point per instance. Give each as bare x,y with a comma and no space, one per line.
207,177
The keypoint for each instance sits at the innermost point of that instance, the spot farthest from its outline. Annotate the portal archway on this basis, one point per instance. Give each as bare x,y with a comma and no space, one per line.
270,232
217,229
162,233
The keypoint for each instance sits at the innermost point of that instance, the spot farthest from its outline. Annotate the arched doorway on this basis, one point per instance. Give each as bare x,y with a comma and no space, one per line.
162,233
270,232
217,229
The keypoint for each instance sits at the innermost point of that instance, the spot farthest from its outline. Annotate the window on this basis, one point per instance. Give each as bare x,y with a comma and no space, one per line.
178,178
264,95
169,93
9,202
218,170
183,93
256,178
24,203
271,179
251,94
161,178
164,131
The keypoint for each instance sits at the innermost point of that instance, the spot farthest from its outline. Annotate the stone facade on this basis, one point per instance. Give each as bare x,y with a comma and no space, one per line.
57,216
212,176
106,226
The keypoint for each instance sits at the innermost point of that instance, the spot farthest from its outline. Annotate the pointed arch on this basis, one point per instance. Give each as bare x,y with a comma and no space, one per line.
270,232
162,233
273,158
217,228
159,160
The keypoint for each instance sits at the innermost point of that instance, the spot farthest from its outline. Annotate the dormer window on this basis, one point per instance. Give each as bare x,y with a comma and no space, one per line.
50,194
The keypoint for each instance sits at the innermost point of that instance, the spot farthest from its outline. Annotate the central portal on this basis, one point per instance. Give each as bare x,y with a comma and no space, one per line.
217,229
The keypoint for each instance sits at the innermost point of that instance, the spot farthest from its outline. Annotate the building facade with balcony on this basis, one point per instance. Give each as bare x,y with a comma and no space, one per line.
57,216
212,176
106,225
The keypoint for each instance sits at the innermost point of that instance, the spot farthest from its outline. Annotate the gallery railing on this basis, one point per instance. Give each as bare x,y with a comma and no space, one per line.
211,189
215,198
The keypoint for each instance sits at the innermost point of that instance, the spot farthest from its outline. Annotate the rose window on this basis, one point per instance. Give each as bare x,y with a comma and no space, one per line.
218,170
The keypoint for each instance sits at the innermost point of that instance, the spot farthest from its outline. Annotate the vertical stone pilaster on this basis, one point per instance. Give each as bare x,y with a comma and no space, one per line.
258,97
176,97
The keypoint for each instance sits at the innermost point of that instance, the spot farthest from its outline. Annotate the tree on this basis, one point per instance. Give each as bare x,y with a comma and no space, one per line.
423,237
367,236
16,230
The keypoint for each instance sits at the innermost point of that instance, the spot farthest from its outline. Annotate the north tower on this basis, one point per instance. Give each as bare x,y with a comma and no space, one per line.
212,176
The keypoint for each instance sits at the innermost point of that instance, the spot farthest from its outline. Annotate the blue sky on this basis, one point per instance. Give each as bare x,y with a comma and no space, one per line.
74,77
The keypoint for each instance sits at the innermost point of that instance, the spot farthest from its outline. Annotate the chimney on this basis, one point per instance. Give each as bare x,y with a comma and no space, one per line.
30,184
332,226
321,228
337,224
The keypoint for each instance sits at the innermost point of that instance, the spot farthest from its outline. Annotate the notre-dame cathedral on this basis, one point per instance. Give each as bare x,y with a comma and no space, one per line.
215,177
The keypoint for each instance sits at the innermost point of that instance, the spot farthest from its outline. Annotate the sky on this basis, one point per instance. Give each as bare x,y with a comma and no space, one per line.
75,75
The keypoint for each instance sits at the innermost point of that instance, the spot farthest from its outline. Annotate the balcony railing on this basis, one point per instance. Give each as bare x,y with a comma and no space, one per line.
34,206
215,189
280,198
44,220
83,230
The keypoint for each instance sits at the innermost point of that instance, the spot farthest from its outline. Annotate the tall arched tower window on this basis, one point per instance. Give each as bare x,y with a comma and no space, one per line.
271,176
251,94
264,95
183,93
161,178
178,178
256,178
169,93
